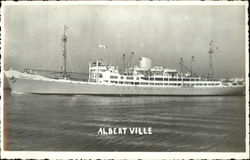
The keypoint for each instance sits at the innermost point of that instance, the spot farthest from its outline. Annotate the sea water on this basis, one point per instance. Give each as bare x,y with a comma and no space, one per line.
178,123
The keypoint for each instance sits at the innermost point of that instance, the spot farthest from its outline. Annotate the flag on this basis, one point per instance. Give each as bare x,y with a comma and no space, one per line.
102,46
66,27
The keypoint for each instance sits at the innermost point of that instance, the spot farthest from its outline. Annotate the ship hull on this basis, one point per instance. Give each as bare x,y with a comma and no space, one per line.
33,86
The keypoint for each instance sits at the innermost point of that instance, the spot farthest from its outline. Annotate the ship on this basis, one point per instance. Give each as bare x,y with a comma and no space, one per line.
139,80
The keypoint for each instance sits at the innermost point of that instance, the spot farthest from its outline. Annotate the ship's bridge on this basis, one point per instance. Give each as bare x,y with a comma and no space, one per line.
170,72
99,71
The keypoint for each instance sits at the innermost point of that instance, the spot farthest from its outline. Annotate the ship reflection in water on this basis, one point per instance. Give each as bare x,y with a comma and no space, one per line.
71,123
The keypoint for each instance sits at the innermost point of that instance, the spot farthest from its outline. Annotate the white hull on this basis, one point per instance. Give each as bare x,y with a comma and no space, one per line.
51,86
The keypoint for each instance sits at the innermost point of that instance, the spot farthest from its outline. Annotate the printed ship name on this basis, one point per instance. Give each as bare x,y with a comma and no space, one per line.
142,79
125,130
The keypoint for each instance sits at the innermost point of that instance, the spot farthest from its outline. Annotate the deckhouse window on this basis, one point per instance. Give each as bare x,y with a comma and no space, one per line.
172,84
172,79
113,77
144,78
158,84
159,79
100,75
128,82
130,78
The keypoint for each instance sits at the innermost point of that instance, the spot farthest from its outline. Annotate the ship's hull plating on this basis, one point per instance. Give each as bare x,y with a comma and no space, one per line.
76,88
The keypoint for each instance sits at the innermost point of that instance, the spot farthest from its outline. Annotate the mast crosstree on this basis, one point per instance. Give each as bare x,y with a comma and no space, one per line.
210,52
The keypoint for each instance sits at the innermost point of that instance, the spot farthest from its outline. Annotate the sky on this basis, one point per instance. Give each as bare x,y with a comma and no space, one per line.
164,33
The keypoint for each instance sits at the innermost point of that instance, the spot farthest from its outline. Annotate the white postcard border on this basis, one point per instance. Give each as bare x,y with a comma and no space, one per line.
128,155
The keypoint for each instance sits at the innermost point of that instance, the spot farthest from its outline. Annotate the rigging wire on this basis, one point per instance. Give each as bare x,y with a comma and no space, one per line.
219,67
45,61
77,64
69,63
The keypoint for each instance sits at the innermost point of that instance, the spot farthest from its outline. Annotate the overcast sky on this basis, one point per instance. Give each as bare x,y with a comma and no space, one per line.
163,33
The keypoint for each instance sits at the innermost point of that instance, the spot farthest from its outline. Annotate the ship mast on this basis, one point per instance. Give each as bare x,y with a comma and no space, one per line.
210,52
192,61
181,65
132,65
124,64
64,39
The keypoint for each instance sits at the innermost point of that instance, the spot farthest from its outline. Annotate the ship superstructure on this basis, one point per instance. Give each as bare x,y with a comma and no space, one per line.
145,75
